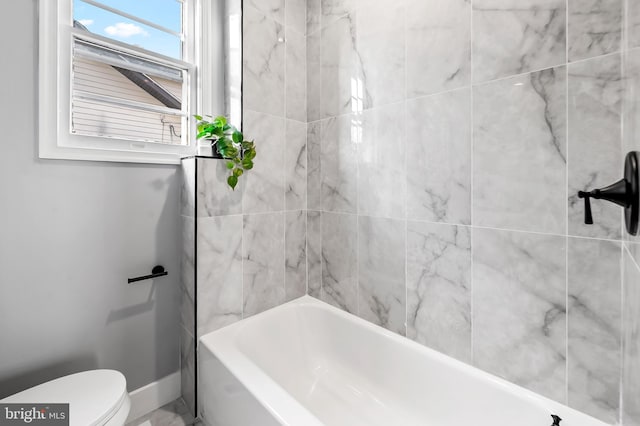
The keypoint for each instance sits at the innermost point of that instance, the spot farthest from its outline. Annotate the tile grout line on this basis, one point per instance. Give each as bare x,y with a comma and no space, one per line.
566,206
405,11
472,187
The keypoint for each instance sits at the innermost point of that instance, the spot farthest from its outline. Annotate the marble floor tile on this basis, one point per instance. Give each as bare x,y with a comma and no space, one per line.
381,272
594,327
174,413
513,37
520,151
313,16
595,136
439,287
439,157
437,29
339,261
595,28
519,310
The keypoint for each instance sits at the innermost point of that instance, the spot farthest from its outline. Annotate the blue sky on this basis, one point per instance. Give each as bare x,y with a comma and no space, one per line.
161,12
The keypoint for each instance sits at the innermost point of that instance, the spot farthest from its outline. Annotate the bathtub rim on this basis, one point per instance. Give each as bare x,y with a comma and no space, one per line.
289,411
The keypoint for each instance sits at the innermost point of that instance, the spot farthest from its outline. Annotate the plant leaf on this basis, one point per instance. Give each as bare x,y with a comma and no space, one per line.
238,172
232,181
230,165
247,164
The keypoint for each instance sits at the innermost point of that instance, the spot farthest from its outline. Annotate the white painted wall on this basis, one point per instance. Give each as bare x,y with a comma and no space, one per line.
70,235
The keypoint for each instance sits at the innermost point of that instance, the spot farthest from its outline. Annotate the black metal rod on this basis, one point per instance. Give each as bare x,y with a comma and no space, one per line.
157,271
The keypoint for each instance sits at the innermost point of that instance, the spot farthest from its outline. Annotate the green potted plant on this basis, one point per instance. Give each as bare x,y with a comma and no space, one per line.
229,143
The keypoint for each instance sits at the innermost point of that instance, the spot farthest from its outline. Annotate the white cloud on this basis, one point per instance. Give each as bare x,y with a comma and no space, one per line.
124,30
86,22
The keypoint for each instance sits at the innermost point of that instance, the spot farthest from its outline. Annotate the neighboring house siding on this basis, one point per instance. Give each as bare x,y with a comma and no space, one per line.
99,119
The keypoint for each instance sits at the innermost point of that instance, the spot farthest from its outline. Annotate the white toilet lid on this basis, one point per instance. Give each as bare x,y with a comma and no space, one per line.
93,396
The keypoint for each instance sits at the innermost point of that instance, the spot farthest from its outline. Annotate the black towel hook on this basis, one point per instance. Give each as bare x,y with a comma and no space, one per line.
157,271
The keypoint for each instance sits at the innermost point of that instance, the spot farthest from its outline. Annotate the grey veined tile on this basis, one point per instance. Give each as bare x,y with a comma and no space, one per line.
314,253
439,157
520,151
263,63
595,320
631,128
219,272
519,310
264,185
438,29
631,363
188,187
595,28
633,23
439,287
513,37
381,162
338,160
595,127
272,9
296,76
381,269
295,254
341,79
314,169
296,15
263,262
213,196
339,261
295,160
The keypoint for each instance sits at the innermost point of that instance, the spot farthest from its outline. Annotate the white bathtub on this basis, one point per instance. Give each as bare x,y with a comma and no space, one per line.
306,364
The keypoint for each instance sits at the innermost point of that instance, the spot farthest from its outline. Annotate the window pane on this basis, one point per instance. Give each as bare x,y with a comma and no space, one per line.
99,119
120,100
166,13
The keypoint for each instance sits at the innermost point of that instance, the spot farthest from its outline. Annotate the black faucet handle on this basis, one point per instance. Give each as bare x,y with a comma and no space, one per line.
588,216
556,420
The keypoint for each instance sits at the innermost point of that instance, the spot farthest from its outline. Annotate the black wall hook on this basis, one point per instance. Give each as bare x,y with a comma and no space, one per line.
625,193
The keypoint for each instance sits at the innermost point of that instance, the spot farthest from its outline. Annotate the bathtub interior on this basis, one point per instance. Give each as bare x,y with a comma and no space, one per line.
349,372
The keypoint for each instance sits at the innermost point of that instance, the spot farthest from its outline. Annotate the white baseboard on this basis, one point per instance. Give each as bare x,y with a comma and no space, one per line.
154,395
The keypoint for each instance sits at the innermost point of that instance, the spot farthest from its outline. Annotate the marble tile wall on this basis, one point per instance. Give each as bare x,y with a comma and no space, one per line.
245,250
631,256
446,142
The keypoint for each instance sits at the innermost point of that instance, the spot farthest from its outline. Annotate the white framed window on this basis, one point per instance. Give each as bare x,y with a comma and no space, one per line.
117,80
